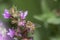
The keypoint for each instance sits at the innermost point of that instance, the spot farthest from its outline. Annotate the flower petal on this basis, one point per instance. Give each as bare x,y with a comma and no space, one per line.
6,14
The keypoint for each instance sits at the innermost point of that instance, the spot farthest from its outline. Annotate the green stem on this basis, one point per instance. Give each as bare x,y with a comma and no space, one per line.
44,32
44,6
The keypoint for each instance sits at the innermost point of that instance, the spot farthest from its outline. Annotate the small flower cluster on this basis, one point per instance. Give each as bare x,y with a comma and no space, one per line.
3,32
23,27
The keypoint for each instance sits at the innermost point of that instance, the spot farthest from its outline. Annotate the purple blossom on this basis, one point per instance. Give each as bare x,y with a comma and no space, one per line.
11,32
23,14
3,32
1,38
6,14
18,32
6,38
21,23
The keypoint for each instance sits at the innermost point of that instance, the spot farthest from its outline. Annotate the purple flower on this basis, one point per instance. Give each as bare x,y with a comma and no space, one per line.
11,32
6,38
21,23
6,14
23,14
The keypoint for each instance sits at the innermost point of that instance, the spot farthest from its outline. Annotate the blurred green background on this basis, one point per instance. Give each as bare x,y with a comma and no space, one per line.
44,13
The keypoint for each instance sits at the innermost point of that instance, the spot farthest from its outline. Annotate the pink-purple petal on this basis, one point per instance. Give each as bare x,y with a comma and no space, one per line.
11,33
6,14
21,23
23,14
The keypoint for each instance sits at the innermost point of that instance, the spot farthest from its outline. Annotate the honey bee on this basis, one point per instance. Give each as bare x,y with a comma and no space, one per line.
30,26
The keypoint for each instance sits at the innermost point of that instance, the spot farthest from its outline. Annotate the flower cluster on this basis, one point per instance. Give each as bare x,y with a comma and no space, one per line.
23,27
3,32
